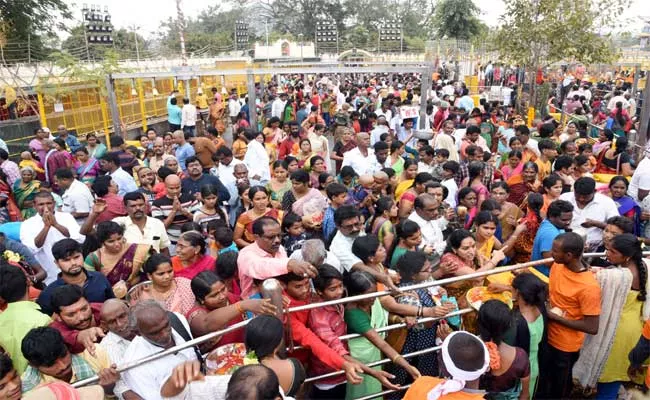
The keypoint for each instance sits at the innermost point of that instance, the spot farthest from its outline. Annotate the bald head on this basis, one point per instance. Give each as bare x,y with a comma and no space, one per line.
152,322
366,180
173,186
115,318
363,140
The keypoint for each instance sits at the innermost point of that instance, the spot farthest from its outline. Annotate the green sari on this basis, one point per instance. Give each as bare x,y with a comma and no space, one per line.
364,351
24,194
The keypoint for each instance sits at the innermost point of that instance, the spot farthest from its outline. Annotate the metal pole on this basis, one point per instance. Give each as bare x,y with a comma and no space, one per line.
143,110
266,28
252,111
137,48
85,37
188,91
645,114
112,103
29,48
401,38
635,85
424,89
181,30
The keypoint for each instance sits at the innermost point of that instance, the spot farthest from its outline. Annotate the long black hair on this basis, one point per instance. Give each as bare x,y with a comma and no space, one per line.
628,245
532,290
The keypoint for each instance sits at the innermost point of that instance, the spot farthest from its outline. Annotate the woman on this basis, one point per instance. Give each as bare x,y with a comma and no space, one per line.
510,213
211,293
408,237
624,308
25,189
217,115
172,163
396,160
407,199
191,257
552,186
485,225
37,145
521,185
259,198
147,179
406,177
119,261
279,183
241,121
627,207
619,120
303,200
476,172
324,180
364,317
264,338
86,167
605,138
96,149
615,160
381,222
523,246
509,375
55,158
466,209
460,258
305,152
174,293
316,167
168,142
515,166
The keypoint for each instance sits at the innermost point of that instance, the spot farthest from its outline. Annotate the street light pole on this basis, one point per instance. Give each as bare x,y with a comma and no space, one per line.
266,28
135,28
181,30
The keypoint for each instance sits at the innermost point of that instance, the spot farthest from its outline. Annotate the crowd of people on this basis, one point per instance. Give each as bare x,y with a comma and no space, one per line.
112,252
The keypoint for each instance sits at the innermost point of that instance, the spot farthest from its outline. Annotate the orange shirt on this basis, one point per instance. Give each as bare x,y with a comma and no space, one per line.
424,384
544,168
577,294
646,334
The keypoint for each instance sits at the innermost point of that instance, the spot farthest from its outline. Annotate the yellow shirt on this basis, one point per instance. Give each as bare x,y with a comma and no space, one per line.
202,101
544,168
31,163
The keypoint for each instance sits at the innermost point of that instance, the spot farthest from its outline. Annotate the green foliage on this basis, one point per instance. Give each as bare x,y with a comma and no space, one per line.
457,19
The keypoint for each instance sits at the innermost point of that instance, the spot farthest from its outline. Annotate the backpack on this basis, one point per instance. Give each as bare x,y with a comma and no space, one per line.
178,326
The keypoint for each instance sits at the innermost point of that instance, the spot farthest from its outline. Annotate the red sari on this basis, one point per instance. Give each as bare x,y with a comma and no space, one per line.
236,336
202,264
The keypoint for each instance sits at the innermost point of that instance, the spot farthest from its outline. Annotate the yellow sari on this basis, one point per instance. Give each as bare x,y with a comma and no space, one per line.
402,187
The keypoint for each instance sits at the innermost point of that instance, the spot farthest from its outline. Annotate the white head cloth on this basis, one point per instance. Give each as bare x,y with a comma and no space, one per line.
459,377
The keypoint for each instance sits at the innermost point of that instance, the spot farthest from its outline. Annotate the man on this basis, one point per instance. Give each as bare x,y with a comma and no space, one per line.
9,167
159,155
226,167
19,316
426,216
466,102
257,160
631,104
472,137
380,129
558,218
591,210
640,183
174,209
40,232
55,158
474,154
266,258
50,361
348,224
70,140
158,330
234,107
110,163
206,146
362,157
313,251
77,198
114,317
254,382
140,228
573,310
381,155
427,160
174,112
10,383
202,105
278,105
126,160
69,259
239,179
188,117
184,150
290,145
75,318
196,179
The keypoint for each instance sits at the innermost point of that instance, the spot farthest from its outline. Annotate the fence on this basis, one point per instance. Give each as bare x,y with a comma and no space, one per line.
344,300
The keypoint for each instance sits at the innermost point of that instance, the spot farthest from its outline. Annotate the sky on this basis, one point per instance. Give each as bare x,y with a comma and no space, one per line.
146,14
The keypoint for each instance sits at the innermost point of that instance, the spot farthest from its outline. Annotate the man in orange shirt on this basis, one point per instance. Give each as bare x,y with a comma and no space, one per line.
639,354
206,146
574,309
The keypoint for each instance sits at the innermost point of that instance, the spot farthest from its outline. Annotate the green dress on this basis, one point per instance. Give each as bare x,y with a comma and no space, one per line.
362,349
536,330
397,253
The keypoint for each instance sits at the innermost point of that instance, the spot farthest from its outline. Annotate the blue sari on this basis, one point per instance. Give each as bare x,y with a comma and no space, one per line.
627,207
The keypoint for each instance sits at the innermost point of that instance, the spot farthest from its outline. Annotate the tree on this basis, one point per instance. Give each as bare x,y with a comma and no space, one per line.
457,19
538,33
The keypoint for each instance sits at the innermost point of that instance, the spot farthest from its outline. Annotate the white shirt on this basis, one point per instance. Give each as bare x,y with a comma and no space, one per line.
233,107
30,228
277,108
600,209
612,103
257,161
77,199
188,115
124,181
329,259
375,134
341,247
402,135
148,378
212,387
154,233
360,164
116,346
431,232
640,179
225,173
452,187
388,114
340,100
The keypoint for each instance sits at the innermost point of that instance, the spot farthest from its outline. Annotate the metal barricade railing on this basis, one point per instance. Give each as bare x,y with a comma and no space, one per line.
350,299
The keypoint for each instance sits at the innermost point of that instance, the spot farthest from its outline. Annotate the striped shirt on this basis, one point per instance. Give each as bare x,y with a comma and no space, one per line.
162,208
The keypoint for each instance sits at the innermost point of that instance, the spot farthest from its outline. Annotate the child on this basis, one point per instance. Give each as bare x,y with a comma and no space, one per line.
26,160
574,303
226,268
582,167
442,156
348,177
159,188
587,150
240,145
547,152
328,324
361,196
294,233
58,201
222,238
210,210
449,171
337,195
364,317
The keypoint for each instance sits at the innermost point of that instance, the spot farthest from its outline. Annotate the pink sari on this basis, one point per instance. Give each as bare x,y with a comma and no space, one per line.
203,264
311,203
509,171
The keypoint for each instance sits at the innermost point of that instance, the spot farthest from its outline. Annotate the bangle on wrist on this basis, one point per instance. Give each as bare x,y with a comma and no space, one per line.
239,307
394,359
